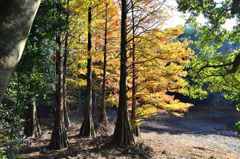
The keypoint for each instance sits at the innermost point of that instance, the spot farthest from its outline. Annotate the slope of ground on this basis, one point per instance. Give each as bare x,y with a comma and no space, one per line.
197,135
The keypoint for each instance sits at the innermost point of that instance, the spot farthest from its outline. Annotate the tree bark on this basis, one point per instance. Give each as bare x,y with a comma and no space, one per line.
122,133
32,127
103,114
94,98
87,127
79,107
135,128
66,117
59,138
16,18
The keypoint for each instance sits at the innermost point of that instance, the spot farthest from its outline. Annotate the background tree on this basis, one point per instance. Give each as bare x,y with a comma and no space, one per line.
87,128
219,70
107,43
159,61
66,53
103,115
140,21
59,138
37,68
79,56
135,127
154,84
77,59
122,132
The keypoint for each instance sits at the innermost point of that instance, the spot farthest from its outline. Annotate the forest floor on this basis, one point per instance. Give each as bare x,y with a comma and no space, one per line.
196,135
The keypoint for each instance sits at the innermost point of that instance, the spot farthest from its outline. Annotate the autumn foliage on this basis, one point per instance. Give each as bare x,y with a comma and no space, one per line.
159,58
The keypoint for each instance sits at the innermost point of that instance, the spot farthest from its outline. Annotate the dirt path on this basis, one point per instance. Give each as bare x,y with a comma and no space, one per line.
173,137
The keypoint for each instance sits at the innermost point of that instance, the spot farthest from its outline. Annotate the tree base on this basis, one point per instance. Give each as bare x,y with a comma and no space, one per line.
32,130
59,140
87,128
104,129
136,131
32,127
123,134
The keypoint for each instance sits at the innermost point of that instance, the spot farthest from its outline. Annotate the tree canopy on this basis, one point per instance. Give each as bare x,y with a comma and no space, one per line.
218,68
83,54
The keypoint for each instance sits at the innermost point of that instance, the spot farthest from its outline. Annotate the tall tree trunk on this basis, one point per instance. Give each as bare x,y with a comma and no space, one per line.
79,107
122,133
16,19
87,128
59,138
66,117
103,114
32,127
135,128
94,100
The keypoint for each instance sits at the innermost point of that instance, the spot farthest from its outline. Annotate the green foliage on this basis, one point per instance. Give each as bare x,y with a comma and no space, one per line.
205,69
48,120
216,67
35,74
200,90
238,125
192,35
11,132
34,77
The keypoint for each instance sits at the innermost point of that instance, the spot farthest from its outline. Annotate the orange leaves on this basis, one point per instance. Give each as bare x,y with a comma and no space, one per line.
159,59
67,8
155,89
160,69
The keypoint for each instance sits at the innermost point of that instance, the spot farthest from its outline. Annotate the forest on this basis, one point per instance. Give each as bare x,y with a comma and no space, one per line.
111,79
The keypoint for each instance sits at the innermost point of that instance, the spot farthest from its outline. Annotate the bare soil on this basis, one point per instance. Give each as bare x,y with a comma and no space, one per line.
196,135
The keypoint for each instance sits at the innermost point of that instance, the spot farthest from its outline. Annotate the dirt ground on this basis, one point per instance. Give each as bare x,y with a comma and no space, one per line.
162,136
170,145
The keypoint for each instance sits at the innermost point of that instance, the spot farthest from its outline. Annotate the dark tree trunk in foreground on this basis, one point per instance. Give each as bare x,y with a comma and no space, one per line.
59,138
135,127
32,127
103,114
16,18
122,133
87,128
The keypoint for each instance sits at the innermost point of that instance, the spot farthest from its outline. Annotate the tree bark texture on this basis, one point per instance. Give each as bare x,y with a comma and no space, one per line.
59,138
103,114
122,133
16,18
94,101
32,127
79,107
66,117
87,127
135,128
